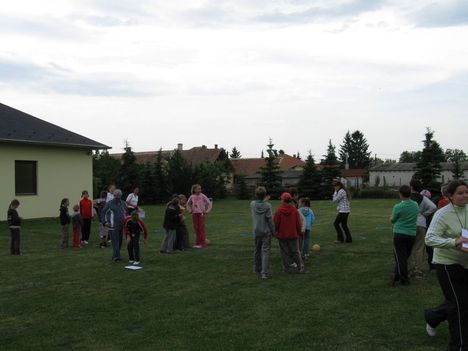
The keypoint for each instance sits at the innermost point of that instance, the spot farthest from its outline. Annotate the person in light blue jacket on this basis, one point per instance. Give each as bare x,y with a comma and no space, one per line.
309,216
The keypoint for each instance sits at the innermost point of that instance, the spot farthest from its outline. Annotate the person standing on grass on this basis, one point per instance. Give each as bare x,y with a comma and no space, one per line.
404,217
77,224
263,229
341,197
445,235
99,206
14,224
287,230
172,218
182,235
133,228
86,212
426,208
199,205
65,222
132,201
309,218
110,192
113,215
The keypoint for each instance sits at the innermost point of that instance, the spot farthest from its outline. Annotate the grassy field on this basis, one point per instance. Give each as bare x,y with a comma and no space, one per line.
53,299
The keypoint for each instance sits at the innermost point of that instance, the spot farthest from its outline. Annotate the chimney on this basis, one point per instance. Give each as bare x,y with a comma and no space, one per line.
180,147
216,146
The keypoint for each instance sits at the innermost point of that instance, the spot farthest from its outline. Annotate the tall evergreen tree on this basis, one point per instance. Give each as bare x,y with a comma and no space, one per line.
271,178
428,168
309,183
235,153
129,172
161,185
179,174
148,191
331,170
355,150
242,191
105,170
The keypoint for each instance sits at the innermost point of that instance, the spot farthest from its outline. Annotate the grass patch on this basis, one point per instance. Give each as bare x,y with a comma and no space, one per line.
53,299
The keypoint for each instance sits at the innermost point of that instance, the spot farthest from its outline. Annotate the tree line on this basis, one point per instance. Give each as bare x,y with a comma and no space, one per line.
160,179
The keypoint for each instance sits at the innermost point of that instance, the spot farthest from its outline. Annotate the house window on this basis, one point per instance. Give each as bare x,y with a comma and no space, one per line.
26,177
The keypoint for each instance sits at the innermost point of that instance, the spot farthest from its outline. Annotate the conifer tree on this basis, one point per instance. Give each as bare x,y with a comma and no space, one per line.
428,168
271,178
309,183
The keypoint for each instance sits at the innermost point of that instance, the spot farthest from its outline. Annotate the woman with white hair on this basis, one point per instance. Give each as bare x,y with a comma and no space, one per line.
113,215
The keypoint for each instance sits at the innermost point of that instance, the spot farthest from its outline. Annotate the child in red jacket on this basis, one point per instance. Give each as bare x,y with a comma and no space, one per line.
288,229
133,228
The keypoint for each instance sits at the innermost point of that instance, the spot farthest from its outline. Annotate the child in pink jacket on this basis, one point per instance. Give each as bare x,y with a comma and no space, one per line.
199,205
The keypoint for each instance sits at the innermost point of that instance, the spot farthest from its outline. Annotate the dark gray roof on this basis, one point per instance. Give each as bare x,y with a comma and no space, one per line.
411,167
19,127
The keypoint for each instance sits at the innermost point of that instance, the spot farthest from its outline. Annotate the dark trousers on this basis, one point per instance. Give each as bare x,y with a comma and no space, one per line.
453,280
133,248
402,245
341,225
290,253
86,229
15,241
181,240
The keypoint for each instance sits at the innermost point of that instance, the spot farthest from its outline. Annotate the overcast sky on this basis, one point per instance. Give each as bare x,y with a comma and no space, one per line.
235,73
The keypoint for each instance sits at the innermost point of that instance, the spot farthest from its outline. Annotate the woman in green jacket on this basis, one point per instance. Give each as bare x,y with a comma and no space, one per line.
445,235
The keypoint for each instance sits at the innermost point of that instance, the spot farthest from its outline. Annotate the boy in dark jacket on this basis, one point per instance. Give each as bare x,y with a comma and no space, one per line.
133,228
64,222
263,229
14,223
288,228
172,218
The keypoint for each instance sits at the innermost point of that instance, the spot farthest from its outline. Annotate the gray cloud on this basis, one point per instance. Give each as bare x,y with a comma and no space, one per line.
58,28
442,14
53,78
216,13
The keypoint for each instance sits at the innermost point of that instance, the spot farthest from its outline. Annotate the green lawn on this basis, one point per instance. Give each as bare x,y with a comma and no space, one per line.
53,299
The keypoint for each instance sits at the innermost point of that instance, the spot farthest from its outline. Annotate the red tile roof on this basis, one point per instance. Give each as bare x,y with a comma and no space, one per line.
194,156
249,166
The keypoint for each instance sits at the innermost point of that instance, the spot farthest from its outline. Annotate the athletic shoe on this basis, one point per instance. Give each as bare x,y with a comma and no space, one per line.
264,276
130,261
136,262
293,265
197,246
85,242
430,331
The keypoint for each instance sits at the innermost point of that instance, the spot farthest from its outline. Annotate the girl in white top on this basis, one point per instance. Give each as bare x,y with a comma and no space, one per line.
341,222
132,201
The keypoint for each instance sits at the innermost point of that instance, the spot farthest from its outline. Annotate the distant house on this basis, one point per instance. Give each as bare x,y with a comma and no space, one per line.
194,156
353,178
290,167
41,163
397,174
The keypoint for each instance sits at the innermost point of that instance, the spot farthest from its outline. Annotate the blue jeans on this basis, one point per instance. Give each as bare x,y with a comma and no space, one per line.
306,243
116,240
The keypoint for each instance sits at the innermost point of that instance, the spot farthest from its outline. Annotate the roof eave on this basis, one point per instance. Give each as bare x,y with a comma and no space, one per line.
72,146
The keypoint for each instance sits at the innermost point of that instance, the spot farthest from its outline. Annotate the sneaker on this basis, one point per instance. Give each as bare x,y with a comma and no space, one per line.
85,242
131,261
136,262
197,246
264,276
293,265
431,331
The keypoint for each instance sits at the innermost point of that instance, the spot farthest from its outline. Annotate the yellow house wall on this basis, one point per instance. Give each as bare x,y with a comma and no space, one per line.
61,172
